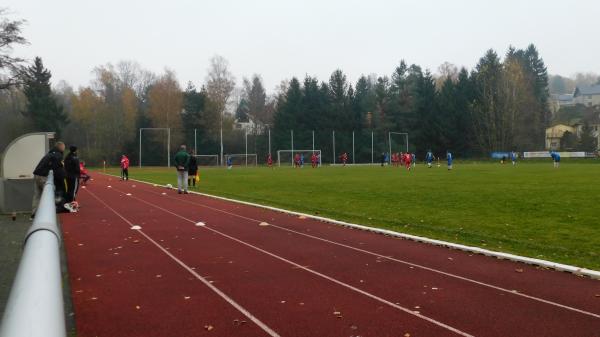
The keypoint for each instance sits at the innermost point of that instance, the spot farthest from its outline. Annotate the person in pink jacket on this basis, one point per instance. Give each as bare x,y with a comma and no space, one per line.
124,167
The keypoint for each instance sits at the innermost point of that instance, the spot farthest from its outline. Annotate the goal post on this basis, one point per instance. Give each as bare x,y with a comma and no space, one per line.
287,156
395,135
242,159
207,159
168,130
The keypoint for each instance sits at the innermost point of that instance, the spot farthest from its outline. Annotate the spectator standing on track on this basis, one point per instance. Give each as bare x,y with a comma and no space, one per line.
182,162
192,170
73,171
53,160
124,167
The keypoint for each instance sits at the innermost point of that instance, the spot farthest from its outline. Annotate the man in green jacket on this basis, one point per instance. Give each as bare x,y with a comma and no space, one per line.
182,162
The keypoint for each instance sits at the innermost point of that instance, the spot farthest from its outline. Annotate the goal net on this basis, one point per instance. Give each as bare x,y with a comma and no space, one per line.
398,142
286,157
241,159
207,159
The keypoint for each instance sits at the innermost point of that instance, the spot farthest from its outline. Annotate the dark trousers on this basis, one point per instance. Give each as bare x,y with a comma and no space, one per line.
192,178
72,188
125,174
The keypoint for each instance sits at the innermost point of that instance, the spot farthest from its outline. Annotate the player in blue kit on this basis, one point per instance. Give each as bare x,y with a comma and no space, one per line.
449,158
429,158
555,158
513,158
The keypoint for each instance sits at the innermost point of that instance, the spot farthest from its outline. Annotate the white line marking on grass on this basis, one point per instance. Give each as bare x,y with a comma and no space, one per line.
508,291
224,296
314,272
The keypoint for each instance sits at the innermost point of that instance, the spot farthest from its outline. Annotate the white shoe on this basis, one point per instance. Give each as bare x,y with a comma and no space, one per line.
70,208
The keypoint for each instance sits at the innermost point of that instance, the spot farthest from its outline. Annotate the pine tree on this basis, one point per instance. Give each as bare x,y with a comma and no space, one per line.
42,108
587,142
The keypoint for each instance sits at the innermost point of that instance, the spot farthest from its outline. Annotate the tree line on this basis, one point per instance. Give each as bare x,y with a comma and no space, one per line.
499,105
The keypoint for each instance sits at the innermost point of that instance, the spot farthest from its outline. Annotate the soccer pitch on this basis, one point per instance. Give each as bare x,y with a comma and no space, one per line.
531,209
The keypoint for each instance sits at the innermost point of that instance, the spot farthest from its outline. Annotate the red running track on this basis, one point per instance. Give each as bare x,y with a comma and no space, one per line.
293,277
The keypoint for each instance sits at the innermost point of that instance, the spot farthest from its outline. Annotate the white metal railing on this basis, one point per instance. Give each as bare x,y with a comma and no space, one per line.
35,307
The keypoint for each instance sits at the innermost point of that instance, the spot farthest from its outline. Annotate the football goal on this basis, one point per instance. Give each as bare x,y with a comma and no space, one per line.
286,157
398,142
242,159
207,159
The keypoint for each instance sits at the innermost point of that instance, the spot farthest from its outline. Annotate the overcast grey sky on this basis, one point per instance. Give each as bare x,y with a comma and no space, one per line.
279,39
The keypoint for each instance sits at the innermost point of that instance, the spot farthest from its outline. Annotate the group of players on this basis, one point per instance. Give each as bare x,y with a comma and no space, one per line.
315,160
407,160
398,159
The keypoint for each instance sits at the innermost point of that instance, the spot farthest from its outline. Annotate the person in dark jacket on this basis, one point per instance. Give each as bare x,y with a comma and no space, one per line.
182,164
192,170
53,160
73,172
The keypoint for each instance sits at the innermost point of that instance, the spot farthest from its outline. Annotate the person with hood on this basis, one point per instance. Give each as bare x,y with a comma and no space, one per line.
182,164
53,160
73,171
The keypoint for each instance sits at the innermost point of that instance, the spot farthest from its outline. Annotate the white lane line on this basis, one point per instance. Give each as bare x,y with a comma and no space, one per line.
314,272
512,292
224,296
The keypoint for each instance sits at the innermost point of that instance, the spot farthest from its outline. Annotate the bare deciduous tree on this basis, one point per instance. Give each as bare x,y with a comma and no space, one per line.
220,83
10,35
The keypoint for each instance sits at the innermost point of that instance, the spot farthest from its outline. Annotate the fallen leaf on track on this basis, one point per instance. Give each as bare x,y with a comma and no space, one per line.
208,327
519,270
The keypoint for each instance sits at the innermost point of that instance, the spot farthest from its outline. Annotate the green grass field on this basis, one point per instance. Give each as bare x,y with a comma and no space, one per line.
532,209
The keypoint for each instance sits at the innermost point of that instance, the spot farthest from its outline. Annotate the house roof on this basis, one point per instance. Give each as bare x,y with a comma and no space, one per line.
565,97
587,90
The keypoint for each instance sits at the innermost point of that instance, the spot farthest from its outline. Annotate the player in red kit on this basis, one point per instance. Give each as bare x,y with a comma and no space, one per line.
269,160
407,160
344,158
314,160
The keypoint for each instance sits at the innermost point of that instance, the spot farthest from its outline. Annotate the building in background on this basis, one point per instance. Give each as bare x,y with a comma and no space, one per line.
587,95
554,135
557,101
251,127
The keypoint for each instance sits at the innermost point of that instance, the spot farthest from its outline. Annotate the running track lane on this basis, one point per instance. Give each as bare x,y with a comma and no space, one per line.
283,296
374,274
511,313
